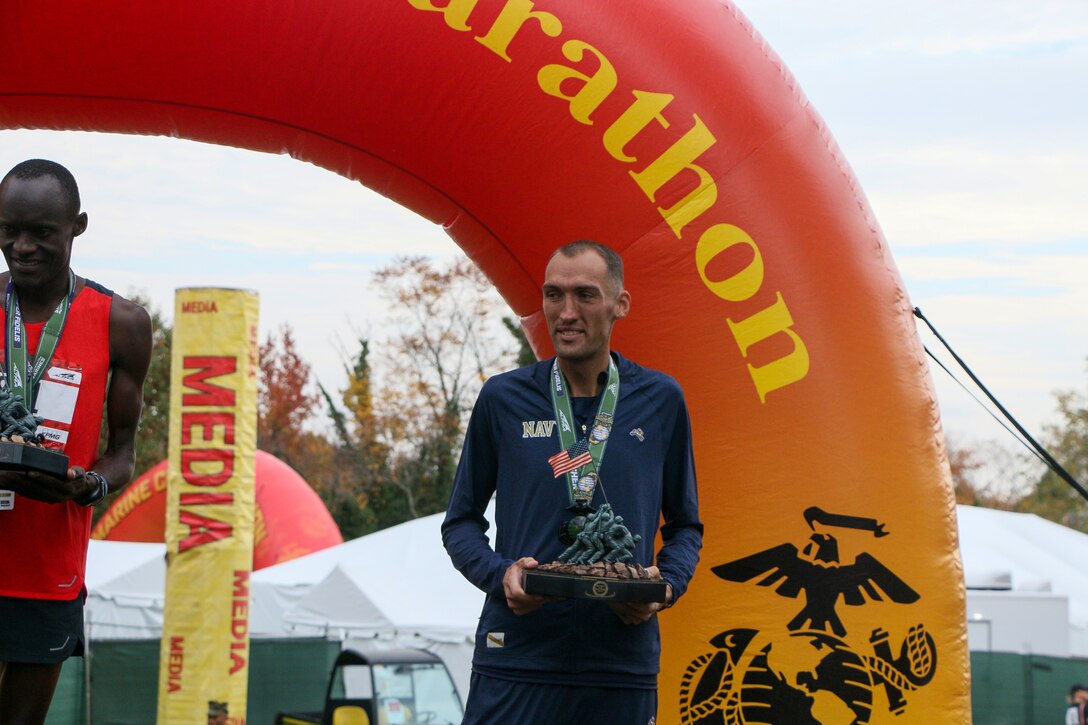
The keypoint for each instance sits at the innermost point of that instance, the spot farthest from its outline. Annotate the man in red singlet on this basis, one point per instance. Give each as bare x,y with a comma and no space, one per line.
70,346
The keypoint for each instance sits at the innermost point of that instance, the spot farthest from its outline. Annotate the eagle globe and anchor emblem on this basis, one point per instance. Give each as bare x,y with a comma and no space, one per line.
810,673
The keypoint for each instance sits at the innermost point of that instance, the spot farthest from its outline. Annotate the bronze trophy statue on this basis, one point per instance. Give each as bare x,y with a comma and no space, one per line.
594,565
21,447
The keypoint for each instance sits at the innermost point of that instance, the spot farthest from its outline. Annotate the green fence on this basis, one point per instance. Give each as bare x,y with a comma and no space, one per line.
290,674
1010,689
284,674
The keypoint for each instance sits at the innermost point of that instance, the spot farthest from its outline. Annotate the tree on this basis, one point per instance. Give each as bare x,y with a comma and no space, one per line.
405,432
286,400
971,466
356,475
963,463
526,356
153,435
1067,441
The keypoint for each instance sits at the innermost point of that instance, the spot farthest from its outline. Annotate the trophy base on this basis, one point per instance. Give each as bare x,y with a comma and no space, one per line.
568,585
24,457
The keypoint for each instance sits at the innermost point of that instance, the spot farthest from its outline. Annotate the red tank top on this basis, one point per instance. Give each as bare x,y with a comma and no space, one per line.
43,547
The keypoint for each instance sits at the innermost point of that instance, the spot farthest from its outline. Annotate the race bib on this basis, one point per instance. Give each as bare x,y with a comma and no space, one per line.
56,402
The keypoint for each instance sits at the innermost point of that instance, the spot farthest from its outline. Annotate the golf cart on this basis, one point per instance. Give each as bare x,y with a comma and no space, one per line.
372,685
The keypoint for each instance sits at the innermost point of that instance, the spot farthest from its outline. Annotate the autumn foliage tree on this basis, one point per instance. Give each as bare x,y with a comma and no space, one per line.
1067,441
969,466
525,354
286,399
288,404
449,339
354,489
388,449
1027,485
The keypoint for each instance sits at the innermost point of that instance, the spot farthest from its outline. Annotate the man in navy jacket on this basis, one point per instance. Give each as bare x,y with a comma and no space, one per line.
549,661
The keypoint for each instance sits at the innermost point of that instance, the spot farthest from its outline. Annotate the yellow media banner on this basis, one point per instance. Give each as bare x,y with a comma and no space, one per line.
204,657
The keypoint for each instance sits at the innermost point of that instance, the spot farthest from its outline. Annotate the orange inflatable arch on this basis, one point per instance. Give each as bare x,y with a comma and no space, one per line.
760,280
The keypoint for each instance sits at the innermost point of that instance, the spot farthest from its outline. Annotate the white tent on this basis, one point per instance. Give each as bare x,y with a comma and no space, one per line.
125,583
396,585
1026,586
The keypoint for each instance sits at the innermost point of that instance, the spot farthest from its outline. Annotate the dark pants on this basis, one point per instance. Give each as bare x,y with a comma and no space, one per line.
493,701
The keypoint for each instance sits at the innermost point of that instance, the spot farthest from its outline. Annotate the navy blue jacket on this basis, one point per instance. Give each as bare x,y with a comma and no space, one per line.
648,472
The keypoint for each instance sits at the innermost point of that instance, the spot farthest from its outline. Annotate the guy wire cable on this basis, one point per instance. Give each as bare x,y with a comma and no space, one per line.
1054,465
982,405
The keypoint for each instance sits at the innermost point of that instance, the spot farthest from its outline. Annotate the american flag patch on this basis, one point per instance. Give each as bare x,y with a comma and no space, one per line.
574,457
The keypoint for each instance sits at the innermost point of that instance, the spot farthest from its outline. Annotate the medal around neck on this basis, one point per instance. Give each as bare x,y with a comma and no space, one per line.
21,447
599,546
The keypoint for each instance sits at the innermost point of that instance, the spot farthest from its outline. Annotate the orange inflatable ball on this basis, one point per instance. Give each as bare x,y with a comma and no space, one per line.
291,519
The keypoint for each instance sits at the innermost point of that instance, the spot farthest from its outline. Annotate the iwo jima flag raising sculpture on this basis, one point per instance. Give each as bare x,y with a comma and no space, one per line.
21,447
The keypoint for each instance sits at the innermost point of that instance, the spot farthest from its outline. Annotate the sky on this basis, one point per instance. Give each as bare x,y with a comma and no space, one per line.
965,124
964,121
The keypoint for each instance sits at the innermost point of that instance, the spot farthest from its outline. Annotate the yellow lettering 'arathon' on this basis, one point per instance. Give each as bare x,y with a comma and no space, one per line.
740,285
680,157
511,19
762,325
455,12
594,88
586,90
647,107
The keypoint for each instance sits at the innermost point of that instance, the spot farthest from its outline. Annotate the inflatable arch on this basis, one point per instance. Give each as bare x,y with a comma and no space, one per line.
760,279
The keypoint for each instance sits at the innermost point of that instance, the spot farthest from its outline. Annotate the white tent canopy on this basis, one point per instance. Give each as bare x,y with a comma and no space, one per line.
125,583
1024,552
396,585
1033,569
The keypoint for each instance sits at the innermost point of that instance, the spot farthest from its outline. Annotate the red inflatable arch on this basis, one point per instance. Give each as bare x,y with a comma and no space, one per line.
669,130
290,518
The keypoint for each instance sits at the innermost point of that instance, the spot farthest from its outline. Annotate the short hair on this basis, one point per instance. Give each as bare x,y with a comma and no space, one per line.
613,261
1075,689
37,168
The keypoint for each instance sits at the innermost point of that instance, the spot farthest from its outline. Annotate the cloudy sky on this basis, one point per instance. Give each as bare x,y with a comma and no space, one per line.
966,123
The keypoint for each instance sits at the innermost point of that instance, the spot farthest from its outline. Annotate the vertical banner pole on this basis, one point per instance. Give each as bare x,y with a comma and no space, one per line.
204,656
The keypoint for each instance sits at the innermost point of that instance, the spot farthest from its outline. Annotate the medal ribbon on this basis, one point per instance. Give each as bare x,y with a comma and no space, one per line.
564,420
23,382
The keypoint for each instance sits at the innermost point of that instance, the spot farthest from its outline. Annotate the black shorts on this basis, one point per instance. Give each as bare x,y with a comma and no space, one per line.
491,700
40,631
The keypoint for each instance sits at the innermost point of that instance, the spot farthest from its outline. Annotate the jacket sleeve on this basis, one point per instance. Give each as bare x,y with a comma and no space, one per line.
464,530
682,531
